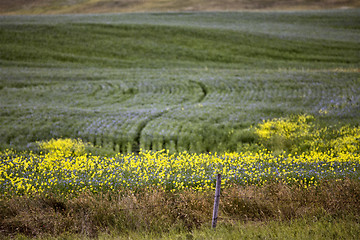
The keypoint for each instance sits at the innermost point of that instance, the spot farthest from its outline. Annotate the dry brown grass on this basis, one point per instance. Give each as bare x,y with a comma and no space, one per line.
159,211
106,6
279,201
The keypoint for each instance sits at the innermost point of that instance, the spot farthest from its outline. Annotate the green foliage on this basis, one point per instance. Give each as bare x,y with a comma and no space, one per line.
130,45
323,227
305,228
180,81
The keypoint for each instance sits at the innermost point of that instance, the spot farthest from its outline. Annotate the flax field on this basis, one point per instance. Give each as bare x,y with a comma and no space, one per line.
120,123
63,167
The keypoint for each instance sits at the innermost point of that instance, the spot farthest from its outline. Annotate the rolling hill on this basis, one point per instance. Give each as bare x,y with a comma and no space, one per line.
181,81
111,6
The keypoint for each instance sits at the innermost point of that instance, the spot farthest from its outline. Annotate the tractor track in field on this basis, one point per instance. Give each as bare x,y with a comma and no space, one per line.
107,89
136,140
142,126
246,92
203,89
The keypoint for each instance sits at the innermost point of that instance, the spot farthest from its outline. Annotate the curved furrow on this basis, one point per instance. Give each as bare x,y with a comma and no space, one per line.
113,131
137,133
161,132
151,94
203,88
166,92
81,93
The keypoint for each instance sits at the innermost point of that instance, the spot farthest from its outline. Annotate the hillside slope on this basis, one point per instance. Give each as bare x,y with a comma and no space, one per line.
107,6
180,81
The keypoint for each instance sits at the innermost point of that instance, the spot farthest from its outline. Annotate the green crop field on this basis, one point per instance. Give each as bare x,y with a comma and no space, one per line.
116,125
180,81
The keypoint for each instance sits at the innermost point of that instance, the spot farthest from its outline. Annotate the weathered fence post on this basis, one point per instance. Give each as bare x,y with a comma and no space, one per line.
216,201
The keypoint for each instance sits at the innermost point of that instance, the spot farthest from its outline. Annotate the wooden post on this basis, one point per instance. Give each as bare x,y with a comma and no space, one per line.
216,201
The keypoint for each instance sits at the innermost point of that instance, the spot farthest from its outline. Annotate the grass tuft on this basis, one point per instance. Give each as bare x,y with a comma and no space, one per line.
157,211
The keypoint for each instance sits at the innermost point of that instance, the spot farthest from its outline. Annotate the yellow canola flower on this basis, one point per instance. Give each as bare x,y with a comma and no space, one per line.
72,172
300,134
288,128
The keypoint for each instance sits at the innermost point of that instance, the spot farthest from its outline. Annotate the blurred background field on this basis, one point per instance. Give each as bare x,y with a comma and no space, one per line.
179,81
106,6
